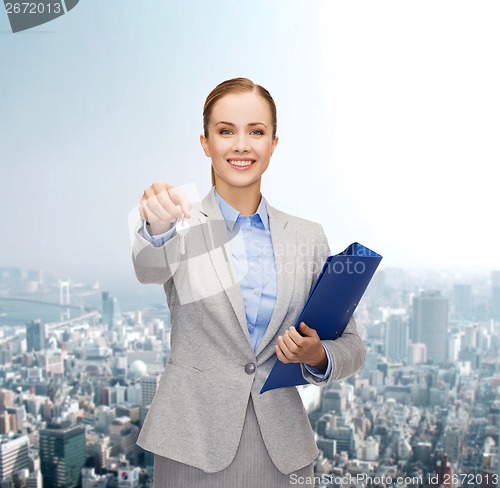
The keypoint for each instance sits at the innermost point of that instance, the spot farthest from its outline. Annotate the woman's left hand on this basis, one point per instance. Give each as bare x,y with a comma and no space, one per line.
295,348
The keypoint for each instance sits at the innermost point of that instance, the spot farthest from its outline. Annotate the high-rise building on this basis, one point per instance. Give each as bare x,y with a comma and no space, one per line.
6,398
430,324
104,416
422,452
149,385
471,337
371,362
17,416
453,443
454,345
52,361
111,314
34,480
326,423
369,449
334,399
99,449
123,435
328,446
344,437
36,335
62,454
417,353
13,455
462,300
134,394
396,338
495,295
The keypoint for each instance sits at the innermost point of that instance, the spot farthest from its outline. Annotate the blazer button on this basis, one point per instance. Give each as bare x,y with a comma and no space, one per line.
249,368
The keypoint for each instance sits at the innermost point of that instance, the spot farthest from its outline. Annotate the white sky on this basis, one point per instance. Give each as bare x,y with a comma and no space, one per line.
388,117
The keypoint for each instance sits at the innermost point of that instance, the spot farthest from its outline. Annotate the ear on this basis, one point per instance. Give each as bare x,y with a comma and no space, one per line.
274,144
204,145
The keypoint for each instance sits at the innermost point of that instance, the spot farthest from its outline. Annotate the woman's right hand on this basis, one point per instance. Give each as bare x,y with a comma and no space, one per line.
161,204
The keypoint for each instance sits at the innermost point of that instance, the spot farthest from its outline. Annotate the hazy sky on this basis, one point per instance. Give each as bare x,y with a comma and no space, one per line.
388,117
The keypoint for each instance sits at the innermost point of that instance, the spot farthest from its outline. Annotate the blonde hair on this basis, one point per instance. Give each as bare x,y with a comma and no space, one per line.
235,85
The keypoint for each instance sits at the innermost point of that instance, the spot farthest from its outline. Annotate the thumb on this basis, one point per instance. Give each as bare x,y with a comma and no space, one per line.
305,329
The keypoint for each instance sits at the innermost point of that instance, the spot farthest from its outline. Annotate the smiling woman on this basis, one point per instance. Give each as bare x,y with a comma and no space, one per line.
233,310
240,139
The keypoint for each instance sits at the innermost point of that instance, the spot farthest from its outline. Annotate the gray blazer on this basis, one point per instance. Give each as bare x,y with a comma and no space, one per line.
198,412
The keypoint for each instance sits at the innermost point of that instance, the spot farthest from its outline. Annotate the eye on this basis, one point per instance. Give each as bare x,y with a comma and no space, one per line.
225,131
258,132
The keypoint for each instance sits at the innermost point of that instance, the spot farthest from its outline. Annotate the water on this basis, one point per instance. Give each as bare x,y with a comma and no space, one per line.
130,298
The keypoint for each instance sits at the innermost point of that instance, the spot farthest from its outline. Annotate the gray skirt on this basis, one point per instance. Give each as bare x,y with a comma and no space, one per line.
251,468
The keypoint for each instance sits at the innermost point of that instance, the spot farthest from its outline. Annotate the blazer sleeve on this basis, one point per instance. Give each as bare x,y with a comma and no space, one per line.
348,351
155,264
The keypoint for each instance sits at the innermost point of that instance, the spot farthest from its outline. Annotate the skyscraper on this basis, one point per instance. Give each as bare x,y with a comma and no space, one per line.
452,443
62,454
149,385
110,310
36,335
462,300
495,295
13,455
396,338
430,324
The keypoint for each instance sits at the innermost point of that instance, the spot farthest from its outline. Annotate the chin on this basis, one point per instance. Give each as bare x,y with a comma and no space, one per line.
244,181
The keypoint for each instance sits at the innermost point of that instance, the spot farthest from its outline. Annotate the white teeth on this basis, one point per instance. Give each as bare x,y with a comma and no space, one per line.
240,163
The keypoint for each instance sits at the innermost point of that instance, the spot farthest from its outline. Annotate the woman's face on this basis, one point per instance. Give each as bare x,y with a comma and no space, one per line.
240,138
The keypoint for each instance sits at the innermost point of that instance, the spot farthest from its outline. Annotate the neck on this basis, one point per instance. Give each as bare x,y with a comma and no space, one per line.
244,199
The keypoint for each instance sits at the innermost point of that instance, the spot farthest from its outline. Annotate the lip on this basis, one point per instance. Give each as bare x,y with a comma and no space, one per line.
240,168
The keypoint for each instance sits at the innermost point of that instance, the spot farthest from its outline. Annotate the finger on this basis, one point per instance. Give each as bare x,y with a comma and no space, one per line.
292,348
145,212
179,198
150,214
307,331
159,186
287,349
165,210
159,194
165,200
295,335
280,355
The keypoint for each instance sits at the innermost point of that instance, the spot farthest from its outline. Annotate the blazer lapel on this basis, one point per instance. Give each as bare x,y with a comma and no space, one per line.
213,226
285,255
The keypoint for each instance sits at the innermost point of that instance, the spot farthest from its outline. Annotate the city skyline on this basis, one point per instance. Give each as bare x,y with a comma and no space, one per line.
424,405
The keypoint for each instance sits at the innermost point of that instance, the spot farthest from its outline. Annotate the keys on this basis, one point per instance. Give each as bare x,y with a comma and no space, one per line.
182,228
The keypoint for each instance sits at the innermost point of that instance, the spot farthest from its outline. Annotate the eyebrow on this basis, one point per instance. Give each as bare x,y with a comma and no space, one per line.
251,124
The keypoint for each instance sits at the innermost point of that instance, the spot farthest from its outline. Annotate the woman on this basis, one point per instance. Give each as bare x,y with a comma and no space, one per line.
235,283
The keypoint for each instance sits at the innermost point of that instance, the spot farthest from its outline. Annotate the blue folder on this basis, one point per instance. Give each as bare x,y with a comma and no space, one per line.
330,305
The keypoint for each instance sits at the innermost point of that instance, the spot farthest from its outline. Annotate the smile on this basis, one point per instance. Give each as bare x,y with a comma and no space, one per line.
239,163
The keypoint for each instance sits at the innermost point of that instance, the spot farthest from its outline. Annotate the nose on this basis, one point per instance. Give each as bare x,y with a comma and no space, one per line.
241,144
